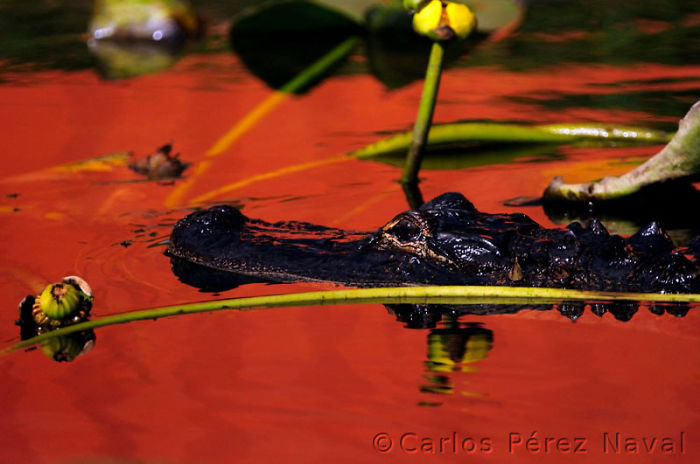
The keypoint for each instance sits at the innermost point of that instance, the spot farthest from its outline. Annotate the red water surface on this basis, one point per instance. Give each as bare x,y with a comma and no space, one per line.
305,384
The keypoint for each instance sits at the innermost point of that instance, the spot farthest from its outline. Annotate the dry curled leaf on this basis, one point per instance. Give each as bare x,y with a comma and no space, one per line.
160,165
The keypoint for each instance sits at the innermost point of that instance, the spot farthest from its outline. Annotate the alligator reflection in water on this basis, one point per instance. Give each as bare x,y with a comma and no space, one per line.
456,348
423,316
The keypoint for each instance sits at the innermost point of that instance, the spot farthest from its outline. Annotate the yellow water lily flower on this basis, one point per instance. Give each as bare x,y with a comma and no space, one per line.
444,20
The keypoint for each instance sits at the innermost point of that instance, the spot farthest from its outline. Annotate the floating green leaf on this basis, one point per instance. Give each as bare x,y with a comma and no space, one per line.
442,135
679,160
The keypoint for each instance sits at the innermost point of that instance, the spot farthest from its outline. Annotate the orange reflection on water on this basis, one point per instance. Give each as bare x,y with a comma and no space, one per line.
309,384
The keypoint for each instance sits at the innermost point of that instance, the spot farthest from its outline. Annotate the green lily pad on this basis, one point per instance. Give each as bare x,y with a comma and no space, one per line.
279,41
353,9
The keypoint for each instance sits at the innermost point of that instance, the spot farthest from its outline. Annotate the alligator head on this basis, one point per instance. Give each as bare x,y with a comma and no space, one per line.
445,241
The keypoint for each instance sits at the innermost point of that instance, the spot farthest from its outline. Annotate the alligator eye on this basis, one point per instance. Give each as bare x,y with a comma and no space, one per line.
407,231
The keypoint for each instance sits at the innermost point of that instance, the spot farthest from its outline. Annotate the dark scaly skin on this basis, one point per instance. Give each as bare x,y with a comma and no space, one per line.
446,241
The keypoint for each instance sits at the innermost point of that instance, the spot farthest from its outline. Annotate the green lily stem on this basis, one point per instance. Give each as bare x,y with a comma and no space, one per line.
397,295
425,115
478,132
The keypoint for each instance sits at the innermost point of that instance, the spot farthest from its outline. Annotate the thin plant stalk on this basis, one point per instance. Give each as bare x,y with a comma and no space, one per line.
480,132
424,118
386,295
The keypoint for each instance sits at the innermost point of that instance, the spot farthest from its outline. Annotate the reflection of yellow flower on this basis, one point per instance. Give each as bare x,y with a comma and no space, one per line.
444,20
440,359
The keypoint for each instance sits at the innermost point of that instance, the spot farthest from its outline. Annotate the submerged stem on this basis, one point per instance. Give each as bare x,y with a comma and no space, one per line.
425,115
414,295
414,197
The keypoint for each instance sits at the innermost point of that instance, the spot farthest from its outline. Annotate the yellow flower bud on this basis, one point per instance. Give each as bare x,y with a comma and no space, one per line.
444,20
460,19
428,18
